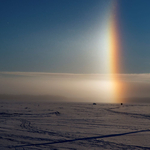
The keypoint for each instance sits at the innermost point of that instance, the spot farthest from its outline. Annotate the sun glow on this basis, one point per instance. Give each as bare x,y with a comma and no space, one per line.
106,87
112,55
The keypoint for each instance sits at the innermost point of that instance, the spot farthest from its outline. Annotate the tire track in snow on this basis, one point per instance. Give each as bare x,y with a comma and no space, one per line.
142,116
81,139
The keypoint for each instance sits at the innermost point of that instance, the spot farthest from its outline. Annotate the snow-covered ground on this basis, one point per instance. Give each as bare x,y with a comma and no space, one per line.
82,126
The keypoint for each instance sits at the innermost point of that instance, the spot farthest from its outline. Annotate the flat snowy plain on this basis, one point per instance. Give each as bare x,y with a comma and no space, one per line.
73,126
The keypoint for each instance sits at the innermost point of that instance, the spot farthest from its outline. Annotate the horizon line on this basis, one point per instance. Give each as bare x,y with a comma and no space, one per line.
53,73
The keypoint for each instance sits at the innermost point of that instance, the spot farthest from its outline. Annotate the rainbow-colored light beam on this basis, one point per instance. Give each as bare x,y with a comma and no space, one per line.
114,41
115,54
113,58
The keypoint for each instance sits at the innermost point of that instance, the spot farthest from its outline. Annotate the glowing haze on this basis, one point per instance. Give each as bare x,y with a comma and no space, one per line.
112,48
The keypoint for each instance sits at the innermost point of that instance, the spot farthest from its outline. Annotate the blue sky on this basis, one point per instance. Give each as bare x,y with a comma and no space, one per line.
62,36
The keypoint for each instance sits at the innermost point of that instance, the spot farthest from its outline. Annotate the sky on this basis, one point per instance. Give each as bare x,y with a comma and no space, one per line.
67,37
63,36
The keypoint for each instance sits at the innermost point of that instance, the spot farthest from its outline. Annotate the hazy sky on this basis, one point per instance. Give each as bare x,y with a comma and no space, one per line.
61,42
63,36
75,87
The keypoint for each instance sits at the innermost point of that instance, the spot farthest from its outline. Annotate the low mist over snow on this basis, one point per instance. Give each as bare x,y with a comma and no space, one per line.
84,87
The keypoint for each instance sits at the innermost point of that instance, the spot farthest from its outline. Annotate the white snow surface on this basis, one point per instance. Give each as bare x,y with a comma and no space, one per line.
39,125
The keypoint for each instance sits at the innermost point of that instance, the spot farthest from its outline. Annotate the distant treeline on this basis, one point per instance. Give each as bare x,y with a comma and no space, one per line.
57,98
137,100
32,97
